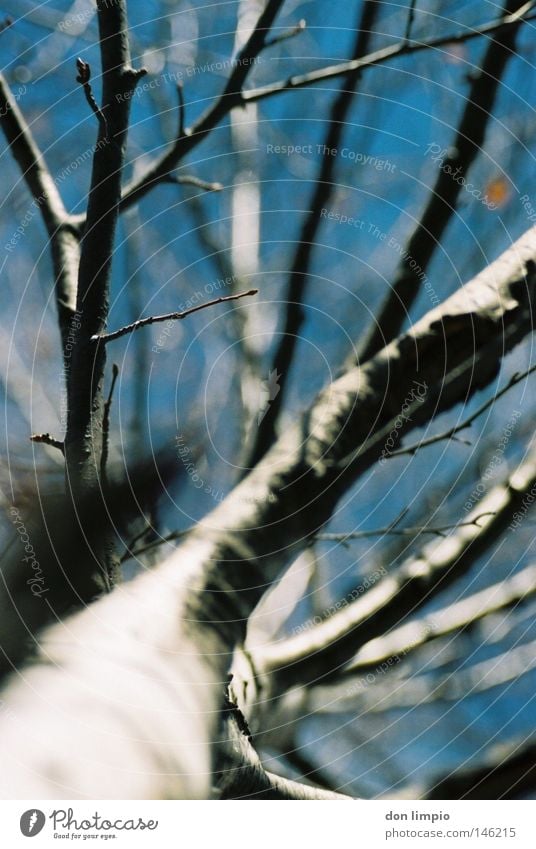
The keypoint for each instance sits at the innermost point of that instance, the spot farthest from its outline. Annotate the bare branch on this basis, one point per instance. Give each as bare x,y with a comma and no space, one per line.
456,617
170,668
423,689
106,421
265,433
190,180
182,110
170,316
441,205
286,34
47,439
30,160
409,22
84,438
451,432
46,197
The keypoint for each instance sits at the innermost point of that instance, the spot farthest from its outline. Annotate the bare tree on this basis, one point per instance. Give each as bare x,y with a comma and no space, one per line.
185,661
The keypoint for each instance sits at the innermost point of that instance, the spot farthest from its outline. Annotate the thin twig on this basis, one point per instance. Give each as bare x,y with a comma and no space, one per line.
390,531
84,76
171,316
106,421
451,432
409,23
47,439
64,240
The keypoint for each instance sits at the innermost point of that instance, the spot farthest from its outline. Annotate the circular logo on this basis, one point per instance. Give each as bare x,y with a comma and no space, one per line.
31,822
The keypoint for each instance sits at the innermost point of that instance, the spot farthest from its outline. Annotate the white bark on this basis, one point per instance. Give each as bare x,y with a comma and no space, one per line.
124,698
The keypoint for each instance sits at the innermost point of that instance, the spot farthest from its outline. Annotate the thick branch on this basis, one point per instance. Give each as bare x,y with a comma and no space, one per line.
47,439
418,690
180,624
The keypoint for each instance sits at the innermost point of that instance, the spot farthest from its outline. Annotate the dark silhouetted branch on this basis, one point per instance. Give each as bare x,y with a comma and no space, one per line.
182,110
169,669
409,22
234,94
230,97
